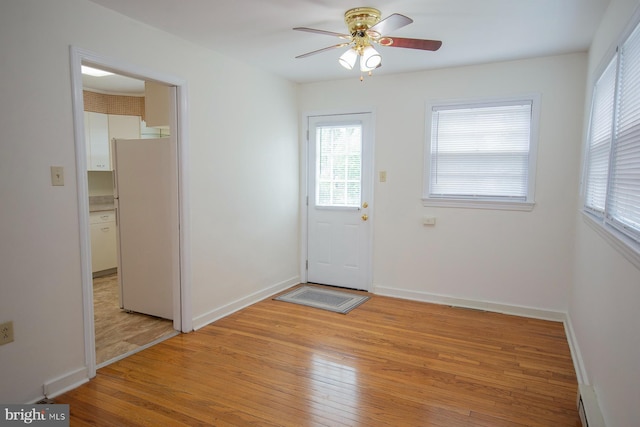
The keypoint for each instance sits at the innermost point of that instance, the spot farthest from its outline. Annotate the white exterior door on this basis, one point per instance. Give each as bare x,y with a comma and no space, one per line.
340,169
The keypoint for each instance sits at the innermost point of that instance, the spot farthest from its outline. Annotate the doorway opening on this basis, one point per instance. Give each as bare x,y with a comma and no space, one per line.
115,324
115,108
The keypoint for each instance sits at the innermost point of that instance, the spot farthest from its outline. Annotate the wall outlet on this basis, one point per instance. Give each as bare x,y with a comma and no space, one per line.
6,333
429,220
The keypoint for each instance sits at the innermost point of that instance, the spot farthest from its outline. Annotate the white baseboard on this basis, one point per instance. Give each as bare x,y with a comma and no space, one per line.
588,407
578,363
535,313
66,382
243,302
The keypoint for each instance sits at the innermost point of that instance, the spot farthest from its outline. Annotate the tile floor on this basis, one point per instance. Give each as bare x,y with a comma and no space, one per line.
118,332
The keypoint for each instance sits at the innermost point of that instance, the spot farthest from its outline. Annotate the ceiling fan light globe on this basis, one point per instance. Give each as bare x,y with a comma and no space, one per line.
348,59
374,61
370,59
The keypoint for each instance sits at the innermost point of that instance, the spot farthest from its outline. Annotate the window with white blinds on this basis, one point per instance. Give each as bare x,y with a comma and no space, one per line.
612,179
339,165
600,140
481,154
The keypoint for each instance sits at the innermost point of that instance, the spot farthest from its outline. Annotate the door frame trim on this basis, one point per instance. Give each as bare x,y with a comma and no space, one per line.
183,319
304,186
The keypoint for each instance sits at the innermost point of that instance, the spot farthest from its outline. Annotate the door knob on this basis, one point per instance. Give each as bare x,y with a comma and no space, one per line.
365,217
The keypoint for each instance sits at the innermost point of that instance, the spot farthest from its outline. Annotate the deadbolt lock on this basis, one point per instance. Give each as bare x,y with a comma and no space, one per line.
365,205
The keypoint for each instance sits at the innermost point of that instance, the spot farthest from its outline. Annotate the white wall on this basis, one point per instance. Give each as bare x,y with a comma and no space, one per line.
504,257
603,304
243,178
244,187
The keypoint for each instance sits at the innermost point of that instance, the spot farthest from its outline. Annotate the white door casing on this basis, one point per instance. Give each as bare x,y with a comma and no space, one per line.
182,309
340,205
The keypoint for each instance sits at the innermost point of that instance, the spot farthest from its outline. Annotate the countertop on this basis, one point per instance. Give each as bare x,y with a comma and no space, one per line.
101,203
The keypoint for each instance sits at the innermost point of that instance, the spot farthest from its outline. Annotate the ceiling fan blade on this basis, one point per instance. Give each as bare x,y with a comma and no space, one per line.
388,24
410,43
304,55
326,33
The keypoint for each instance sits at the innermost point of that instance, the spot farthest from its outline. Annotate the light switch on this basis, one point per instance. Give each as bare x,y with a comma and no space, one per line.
6,333
57,175
383,176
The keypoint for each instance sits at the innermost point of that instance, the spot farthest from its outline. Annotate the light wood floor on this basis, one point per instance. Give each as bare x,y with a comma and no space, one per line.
389,362
116,331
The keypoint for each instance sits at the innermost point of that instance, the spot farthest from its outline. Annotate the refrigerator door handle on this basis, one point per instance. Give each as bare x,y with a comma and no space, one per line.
114,163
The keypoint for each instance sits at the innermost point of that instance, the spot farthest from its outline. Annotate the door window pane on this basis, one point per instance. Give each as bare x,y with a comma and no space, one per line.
339,165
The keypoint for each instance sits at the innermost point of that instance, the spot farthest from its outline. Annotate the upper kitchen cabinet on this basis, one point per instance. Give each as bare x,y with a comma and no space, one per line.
96,134
100,129
157,104
124,127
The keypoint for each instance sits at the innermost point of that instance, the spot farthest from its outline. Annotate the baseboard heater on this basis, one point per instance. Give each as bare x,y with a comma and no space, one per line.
588,408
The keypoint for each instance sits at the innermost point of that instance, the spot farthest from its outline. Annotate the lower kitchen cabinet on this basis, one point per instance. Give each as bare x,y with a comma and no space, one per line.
104,254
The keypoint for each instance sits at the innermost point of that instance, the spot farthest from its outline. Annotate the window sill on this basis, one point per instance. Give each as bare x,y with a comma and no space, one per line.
479,204
627,247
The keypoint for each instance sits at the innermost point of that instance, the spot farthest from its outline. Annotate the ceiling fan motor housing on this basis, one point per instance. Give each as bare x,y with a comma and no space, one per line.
360,19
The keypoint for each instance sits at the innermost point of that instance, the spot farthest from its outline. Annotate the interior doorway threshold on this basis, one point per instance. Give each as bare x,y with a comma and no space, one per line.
136,350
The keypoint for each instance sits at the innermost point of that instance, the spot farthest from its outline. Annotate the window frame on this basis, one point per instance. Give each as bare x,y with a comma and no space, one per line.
483,202
625,243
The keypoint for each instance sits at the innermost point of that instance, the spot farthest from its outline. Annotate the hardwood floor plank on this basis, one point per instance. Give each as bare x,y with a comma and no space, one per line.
389,362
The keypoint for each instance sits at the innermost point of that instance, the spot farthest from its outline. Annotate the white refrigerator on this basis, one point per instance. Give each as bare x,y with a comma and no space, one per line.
146,202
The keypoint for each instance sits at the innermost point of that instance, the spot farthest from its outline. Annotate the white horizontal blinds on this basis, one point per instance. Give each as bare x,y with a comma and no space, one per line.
623,209
600,136
481,151
338,165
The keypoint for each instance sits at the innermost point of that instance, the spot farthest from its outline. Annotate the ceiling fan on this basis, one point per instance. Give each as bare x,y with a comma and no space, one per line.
365,30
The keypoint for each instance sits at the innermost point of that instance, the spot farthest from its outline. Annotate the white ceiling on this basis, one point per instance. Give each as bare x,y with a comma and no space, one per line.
114,84
472,31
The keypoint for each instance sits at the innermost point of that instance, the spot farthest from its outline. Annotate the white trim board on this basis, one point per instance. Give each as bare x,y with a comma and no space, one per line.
535,313
230,308
576,355
620,242
66,382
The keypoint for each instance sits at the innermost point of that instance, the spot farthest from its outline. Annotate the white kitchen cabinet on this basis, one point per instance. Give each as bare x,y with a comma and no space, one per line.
96,127
104,253
124,127
100,129
157,104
